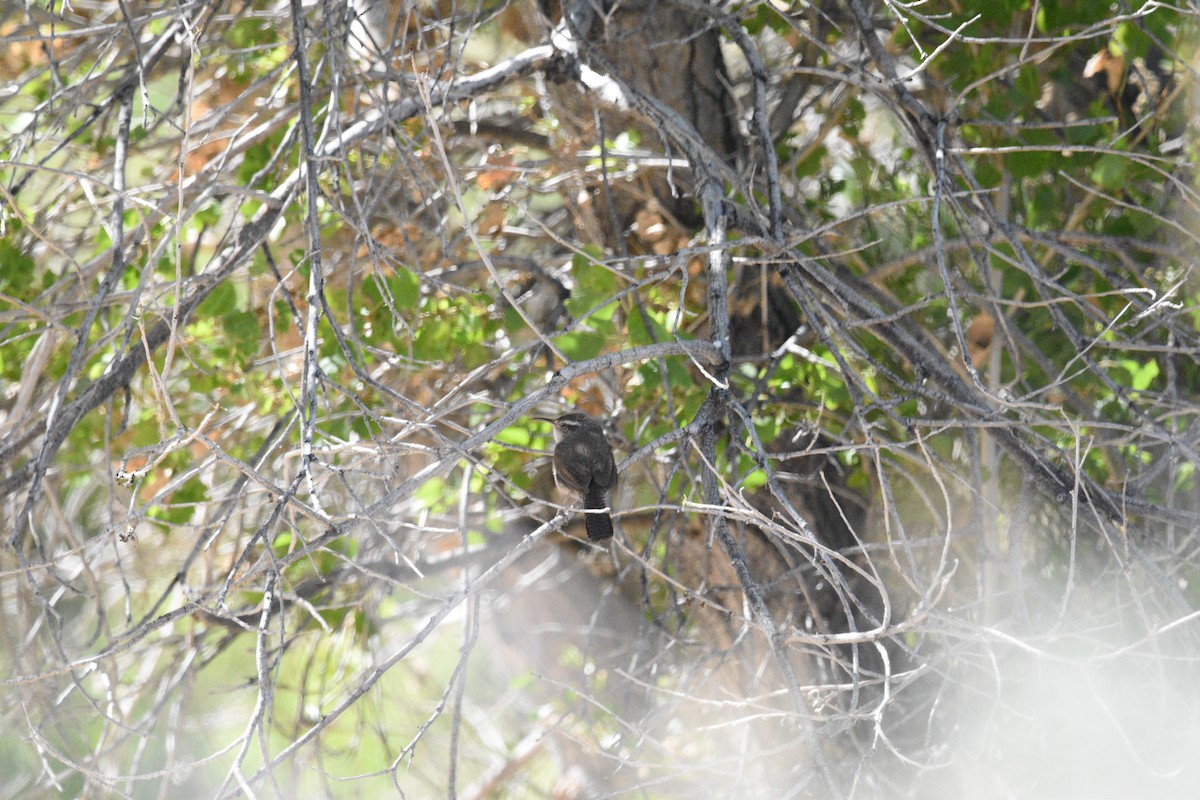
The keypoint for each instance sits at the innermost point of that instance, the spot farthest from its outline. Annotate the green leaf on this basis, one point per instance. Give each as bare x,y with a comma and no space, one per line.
403,288
1111,172
594,290
767,429
432,342
1129,42
765,16
516,435
1042,206
580,346
1029,84
754,480
987,175
241,331
640,334
406,288
208,216
432,494
182,503
220,301
16,268
1029,163
1141,375
256,157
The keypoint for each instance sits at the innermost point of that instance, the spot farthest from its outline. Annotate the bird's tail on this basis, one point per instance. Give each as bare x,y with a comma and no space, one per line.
597,521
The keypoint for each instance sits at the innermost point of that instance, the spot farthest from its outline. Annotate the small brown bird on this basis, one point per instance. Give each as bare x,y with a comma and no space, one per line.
583,462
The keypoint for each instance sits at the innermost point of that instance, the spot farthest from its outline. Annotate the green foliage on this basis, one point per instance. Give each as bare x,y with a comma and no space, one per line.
580,346
16,269
180,506
239,328
256,159
594,287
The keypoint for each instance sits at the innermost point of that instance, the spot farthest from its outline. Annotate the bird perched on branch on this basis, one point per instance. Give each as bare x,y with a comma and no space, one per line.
583,462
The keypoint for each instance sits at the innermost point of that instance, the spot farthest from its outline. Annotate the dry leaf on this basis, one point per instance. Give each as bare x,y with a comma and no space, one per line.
979,337
491,220
497,172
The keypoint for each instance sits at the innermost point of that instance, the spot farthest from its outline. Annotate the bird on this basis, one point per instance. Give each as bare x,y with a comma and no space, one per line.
583,462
